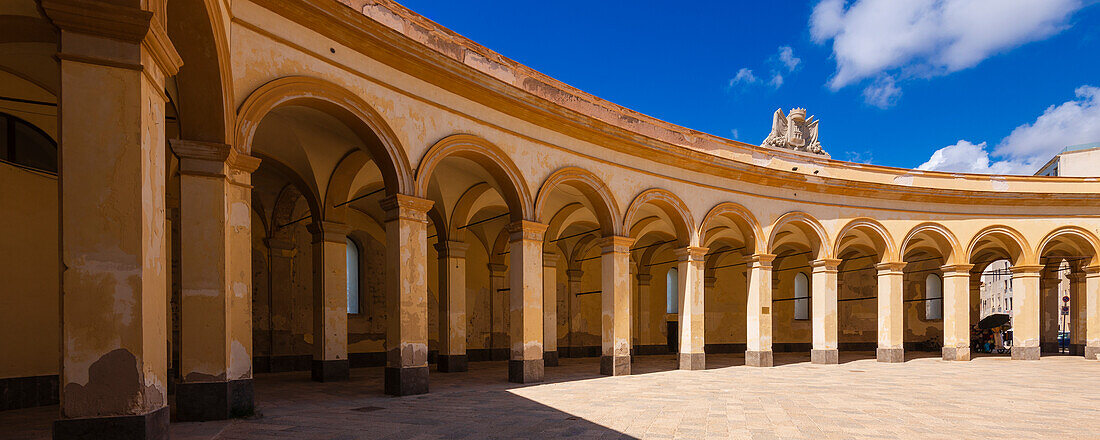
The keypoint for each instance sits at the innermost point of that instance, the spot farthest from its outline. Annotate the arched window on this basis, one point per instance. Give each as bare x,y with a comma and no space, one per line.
672,288
933,295
25,145
802,296
353,277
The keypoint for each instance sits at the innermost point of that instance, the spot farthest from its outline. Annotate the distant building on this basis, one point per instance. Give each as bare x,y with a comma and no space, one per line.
996,290
1074,161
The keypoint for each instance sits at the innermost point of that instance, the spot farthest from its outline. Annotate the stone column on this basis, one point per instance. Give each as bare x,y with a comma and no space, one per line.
406,294
956,312
216,270
1050,309
692,335
759,311
574,301
1025,312
550,309
498,310
1092,312
525,301
1077,312
330,301
452,304
891,312
823,312
113,378
644,306
615,300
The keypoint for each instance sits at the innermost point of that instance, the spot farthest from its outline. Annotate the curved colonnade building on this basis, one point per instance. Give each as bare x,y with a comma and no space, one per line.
245,186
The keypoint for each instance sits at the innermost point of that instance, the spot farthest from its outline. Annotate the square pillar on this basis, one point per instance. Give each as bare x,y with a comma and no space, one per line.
330,301
891,312
615,300
525,301
644,304
956,312
550,309
498,310
216,281
759,311
113,377
406,294
1025,312
823,312
574,277
1092,312
452,303
692,330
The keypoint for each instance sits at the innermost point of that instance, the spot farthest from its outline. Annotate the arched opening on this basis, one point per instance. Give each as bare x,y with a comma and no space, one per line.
926,250
799,245
864,311
1066,255
730,233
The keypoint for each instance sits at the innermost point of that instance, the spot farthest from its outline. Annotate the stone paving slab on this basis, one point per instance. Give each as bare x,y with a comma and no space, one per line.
991,397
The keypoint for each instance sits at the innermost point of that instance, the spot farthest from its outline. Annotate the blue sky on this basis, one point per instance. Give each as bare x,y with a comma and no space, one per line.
956,85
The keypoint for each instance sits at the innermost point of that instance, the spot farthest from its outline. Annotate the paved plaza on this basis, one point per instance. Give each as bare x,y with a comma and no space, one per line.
989,397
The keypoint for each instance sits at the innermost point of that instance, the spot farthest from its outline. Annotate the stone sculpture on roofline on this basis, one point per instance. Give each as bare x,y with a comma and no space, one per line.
794,132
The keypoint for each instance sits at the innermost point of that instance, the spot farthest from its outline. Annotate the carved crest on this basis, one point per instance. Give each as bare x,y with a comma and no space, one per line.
794,132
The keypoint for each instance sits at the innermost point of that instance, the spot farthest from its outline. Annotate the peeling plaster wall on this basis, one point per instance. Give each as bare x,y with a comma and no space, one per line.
28,267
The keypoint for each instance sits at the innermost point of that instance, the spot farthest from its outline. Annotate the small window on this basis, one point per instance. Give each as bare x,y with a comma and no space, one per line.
25,145
801,296
672,288
353,277
933,295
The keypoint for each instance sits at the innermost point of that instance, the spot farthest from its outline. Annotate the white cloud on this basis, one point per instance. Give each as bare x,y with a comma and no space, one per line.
786,56
925,38
776,81
735,133
883,93
1029,146
744,76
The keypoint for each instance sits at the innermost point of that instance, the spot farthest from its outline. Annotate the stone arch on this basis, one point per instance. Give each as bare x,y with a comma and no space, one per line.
943,240
672,206
876,238
740,217
380,140
507,175
295,183
464,208
809,226
1072,239
594,190
204,81
558,221
339,184
1002,238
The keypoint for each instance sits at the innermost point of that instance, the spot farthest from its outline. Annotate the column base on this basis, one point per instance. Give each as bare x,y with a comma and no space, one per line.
1025,353
150,426
202,401
1092,352
956,353
330,370
693,361
406,381
550,358
525,370
825,356
615,365
758,358
452,363
890,355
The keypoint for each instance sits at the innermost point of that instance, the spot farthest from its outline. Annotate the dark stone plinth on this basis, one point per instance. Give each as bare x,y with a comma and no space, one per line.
406,381
453,363
150,426
824,356
1092,352
759,358
330,370
550,358
1025,353
693,361
615,365
202,401
956,353
890,355
525,370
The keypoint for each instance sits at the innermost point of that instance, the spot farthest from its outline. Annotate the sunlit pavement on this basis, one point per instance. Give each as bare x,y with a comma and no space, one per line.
989,397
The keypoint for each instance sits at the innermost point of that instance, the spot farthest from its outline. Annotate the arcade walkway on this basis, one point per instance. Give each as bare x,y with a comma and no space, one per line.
989,397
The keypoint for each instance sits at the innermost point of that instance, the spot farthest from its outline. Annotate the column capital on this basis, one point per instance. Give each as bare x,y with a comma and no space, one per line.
956,269
1076,276
890,267
331,232
526,230
644,279
213,160
125,24
451,249
615,244
1091,271
550,259
825,264
690,253
756,261
400,206
574,274
1026,270
496,269
275,243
